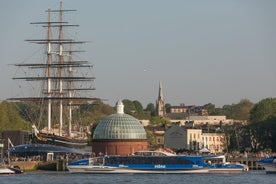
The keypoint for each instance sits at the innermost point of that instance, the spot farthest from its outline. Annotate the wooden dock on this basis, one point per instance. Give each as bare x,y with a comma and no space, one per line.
250,162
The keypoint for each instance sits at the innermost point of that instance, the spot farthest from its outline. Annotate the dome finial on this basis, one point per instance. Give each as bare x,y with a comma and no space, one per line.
120,107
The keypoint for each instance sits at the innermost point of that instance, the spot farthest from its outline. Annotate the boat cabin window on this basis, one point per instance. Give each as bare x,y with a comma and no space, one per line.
146,160
50,156
213,160
149,153
96,161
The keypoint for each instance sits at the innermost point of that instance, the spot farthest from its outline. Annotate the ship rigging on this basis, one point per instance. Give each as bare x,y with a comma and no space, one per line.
62,79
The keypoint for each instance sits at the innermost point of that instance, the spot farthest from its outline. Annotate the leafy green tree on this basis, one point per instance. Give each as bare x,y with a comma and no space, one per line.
262,124
135,109
151,139
138,106
167,107
10,118
242,110
150,107
263,110
212,110
92,113
264,134
129,107
159,121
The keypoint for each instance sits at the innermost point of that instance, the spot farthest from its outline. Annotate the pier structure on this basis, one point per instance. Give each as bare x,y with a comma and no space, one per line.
252,163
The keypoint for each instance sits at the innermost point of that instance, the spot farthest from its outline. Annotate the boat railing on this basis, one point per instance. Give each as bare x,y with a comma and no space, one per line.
153,153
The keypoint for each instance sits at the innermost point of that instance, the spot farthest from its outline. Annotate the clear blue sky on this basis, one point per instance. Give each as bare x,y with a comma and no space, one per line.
216,51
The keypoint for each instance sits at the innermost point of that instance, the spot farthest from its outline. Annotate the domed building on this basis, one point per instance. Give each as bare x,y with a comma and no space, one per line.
119,134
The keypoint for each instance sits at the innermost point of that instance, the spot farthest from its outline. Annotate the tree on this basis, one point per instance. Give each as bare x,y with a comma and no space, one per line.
209,107
263,110
138,106
150,107
212,110
10,118
92,113
240,111
151,139
129,107
160,121
167,107
264,134
262,124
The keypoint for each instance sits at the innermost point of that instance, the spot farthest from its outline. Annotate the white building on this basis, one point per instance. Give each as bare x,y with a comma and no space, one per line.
178,137
211,120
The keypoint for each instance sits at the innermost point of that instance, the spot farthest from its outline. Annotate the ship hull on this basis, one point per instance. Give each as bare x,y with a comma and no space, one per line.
52,139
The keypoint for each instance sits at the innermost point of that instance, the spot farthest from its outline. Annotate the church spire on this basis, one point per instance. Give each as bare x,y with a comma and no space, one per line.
160,102
160,96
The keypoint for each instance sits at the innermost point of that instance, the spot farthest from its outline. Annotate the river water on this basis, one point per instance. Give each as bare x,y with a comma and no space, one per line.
256,177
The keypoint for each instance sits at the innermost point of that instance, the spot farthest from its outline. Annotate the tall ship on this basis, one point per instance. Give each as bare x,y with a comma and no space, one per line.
61,83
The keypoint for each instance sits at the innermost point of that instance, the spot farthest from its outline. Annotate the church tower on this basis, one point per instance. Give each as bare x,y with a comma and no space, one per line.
160,104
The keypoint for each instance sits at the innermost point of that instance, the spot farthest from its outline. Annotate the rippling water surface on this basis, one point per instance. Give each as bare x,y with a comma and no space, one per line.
256,177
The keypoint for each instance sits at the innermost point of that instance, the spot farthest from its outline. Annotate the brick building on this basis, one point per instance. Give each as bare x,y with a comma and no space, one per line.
119,134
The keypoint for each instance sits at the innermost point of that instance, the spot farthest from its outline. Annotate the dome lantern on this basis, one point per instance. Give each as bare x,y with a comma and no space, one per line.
120,107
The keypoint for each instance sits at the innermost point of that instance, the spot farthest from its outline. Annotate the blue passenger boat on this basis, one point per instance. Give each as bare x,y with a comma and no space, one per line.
155,162
269,164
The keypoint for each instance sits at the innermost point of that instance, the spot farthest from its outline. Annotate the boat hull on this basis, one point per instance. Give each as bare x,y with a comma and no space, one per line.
269,164
9,170
116,170
269,168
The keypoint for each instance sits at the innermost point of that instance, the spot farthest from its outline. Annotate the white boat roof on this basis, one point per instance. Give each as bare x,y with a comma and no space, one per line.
154,153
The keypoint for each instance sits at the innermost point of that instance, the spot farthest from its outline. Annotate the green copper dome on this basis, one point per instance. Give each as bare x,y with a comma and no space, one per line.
119,126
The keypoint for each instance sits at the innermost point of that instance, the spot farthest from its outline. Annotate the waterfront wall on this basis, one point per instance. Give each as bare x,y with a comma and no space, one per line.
58,165
26,165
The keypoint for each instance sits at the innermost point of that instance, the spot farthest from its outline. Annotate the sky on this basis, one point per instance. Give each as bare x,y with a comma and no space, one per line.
202,51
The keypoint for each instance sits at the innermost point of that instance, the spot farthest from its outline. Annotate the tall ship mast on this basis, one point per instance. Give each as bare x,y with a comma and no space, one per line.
63,80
